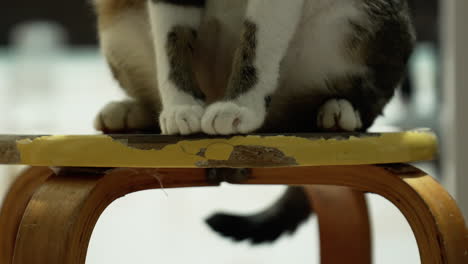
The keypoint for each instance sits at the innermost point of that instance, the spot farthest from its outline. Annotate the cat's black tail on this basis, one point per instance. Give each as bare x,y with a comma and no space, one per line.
284,216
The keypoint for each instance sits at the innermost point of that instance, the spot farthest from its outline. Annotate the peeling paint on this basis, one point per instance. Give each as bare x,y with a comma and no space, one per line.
219,151
245,156
149,151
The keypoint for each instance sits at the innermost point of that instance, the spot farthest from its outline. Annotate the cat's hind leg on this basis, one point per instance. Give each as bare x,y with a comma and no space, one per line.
126,116
127,46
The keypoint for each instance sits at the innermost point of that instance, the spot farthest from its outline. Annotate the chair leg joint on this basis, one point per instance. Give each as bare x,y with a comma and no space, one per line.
220,175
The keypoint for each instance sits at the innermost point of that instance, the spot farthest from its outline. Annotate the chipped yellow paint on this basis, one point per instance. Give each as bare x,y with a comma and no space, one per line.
219,151
104,151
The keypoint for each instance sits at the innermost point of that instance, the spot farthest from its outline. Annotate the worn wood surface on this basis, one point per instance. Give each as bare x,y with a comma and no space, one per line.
156,151
436,221
15,203
343,223
60,217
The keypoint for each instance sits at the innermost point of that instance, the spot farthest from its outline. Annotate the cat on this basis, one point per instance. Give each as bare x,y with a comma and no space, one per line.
224,67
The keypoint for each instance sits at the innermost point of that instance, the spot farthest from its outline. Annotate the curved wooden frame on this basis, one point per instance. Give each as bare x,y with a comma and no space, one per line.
60,216
15,203
343,217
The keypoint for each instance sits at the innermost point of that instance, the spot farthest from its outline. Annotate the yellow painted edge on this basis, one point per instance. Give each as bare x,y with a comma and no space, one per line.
104,151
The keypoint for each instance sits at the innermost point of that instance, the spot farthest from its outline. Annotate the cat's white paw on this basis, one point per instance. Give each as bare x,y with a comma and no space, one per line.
181,119
226,118
339,114
124,116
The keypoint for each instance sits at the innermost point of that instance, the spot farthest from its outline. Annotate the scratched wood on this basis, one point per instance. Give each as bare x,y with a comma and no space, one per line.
151,151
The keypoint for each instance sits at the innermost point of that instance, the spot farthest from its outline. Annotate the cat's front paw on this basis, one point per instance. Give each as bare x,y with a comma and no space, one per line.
226,118
125,116
181,119
338,115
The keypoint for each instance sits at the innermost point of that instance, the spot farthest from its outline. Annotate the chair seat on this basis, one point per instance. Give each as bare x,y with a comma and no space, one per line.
48,215
251,151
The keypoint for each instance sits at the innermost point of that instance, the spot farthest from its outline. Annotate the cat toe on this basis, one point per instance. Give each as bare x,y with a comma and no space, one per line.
219,119
226,118
339,115
181,120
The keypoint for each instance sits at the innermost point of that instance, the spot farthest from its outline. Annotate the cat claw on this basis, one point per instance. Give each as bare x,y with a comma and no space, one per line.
181,120
339,115
226,118
124,116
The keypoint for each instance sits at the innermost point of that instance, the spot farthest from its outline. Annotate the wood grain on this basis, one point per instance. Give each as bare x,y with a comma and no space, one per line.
59,219
436,221
14,205
343,223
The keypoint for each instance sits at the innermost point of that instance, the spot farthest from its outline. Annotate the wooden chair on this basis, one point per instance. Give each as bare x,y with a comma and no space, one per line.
48,215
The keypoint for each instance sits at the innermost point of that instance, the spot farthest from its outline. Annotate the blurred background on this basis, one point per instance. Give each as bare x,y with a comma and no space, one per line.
53,80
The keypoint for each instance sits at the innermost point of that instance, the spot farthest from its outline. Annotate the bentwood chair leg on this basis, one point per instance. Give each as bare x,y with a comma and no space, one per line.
58,221
53,224
14,205
437,223
344,224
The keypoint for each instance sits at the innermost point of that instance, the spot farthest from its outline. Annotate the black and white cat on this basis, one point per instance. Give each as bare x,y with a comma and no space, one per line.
238,66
